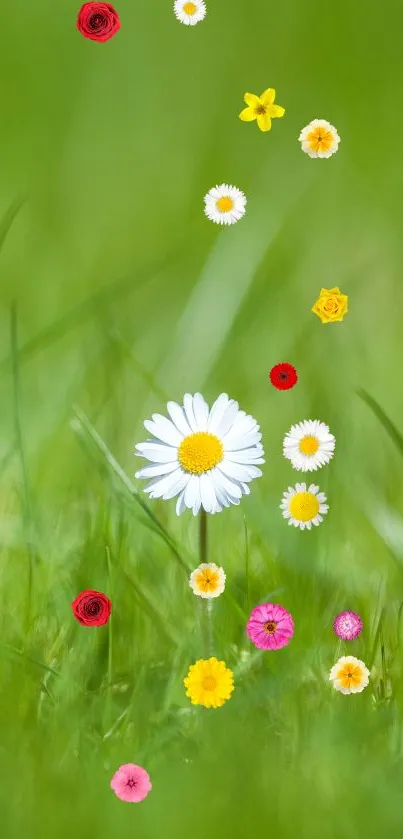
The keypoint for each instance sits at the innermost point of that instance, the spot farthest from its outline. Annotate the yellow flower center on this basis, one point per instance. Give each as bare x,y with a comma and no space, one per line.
207,580
320,139
189,8
270,627
330,304
260,109
350,674
209,683
304,506
225,204
308,445
200,452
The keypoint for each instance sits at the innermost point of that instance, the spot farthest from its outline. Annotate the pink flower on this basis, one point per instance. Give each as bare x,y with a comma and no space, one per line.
131,783
270,627
347,625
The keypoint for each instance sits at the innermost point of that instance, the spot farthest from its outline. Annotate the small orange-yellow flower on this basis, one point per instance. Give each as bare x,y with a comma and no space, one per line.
349,675
209,683
331,305
208,580
261,108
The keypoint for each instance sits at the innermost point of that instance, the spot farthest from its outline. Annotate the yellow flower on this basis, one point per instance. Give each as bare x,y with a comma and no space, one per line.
349,675
331,305
208,580
209,683
261,108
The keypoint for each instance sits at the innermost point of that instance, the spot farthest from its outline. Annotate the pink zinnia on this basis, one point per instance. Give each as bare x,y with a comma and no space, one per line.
270,627
347,625
131,783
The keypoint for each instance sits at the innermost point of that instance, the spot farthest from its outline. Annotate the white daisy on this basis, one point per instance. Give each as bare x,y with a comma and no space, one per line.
319,138
208,580
190,13
309,445
304,507
206,458
225,204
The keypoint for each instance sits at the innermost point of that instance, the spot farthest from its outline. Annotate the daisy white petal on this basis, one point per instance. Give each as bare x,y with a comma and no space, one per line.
240,472
163,430
178,416
201,412
207,494
188,407
180,504
158,469
158,453
217,412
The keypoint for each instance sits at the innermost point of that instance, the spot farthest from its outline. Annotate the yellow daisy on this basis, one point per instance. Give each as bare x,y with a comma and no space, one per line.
209,683
261,108
208,580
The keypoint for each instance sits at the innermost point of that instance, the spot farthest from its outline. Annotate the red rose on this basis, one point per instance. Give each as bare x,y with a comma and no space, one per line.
98,21
92,608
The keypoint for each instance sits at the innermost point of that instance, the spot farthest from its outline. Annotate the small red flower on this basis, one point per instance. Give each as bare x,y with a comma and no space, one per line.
98,21
92,608
283,376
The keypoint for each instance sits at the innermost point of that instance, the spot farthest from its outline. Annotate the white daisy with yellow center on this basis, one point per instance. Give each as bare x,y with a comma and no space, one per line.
304,507
309,445
225,204
319,139
190,13
208,580
349,675
206,458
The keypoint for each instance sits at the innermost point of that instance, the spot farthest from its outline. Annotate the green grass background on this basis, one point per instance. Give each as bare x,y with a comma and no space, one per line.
116,295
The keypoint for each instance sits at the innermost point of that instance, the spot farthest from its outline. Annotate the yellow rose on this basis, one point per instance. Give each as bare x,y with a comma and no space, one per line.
331,305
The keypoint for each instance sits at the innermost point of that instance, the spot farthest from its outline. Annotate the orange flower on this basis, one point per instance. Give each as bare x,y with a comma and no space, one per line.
349,675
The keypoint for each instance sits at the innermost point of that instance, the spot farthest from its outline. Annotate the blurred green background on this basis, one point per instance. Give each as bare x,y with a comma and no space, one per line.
116,295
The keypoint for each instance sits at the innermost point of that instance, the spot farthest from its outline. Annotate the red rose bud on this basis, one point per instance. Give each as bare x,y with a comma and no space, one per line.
98,21
92,608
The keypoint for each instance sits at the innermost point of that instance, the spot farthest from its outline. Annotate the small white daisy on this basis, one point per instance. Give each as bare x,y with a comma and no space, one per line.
208,580
225,204
304,507
190,13
319,139
309,445
205,457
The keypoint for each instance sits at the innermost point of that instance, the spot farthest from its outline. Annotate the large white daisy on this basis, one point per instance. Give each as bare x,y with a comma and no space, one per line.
319,139
225,204
304,507
190,13
205,457
309,445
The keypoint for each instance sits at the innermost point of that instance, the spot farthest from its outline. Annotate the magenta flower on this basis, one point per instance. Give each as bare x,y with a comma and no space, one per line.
131,783
347,625
270,627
